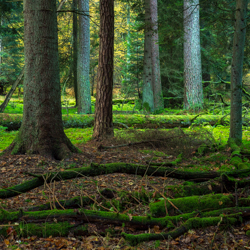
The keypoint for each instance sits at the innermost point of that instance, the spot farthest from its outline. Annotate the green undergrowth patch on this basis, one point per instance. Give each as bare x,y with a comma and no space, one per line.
13,121
78,135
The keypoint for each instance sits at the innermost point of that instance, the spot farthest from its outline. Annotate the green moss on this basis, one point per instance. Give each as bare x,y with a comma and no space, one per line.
248,233
40,230
193,203
191,223
236,160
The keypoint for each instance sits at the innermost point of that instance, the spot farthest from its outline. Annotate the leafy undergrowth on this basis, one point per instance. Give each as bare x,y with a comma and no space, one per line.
126,198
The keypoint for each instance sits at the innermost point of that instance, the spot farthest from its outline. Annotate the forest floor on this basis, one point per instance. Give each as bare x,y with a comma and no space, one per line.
13,169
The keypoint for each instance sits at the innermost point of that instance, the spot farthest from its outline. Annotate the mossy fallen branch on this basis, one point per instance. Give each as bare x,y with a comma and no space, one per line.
196,203
99,169
62,222
192,223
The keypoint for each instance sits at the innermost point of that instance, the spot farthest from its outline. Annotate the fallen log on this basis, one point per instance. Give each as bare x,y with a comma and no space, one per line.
198,203
99,169
61,223
192,223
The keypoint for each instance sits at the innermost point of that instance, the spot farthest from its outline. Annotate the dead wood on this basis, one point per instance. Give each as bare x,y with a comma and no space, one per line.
100,169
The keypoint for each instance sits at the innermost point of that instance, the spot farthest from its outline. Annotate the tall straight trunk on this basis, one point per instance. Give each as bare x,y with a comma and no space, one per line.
83,59
147,95
236,71
1,41
128,42
193,91
42,128
75,28
103,126
156,72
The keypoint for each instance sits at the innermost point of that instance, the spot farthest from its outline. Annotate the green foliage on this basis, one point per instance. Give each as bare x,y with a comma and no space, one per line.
11,33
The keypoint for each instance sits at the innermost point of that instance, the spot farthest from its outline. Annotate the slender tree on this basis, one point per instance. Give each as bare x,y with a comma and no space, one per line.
156,72
148,95
103,126
236,72
193,92
83,59
74,45
42,129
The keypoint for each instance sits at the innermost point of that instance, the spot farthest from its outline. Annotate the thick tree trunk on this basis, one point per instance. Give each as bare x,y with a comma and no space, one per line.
236,71
103,126
156,72
83,59
42,129
193,92
147,95
75,28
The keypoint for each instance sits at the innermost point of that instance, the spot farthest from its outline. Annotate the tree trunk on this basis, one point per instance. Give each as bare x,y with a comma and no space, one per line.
236,71
193,92
148,96
83,59
42,129
103,126
156,73
75,26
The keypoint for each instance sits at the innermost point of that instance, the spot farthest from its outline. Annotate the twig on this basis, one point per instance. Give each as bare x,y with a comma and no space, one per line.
171,203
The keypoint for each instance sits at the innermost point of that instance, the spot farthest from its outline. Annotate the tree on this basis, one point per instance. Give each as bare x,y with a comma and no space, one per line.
152,90
74,45
83,59
42,129
156,72
103,125
148,95
193,92
236,71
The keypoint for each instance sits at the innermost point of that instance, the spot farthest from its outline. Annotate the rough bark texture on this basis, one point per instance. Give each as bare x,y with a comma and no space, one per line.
148,96
75,28
42,129
103,126
156,72
193,92
236,71
83,88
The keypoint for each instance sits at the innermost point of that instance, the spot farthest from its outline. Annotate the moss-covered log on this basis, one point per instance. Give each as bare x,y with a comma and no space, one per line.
57,222
99,169
192,223
195,203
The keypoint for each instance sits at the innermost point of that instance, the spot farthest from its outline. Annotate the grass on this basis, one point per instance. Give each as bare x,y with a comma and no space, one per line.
82,135
15,106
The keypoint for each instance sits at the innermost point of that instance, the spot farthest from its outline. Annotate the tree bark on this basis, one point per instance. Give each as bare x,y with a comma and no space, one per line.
83,59
148,95
193,92
103,126
41,131
75,28
156,72
236,71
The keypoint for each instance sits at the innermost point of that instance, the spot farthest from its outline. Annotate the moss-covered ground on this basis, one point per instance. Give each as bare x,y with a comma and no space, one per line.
201,145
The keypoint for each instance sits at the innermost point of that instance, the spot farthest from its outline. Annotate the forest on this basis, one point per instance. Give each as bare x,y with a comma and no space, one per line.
124,124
